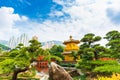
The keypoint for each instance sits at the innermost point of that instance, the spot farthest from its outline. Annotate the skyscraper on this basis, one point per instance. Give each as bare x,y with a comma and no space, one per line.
13,42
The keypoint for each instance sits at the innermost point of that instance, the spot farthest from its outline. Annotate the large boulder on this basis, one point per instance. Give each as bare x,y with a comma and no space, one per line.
56,72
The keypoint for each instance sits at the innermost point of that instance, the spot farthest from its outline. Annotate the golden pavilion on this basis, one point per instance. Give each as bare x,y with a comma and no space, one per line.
70,45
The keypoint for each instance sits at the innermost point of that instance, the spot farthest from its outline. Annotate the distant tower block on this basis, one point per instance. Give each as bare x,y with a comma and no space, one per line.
13,42
24,39
35,38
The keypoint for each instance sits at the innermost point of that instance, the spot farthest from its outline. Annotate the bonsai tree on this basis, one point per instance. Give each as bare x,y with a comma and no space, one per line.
20,59
56,50
90,54
113,38
88,48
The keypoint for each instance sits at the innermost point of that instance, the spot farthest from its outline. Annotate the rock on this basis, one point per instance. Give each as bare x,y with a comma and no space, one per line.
74,73
56,72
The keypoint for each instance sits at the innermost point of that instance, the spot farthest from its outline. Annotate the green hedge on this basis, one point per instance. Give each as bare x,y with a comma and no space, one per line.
67,65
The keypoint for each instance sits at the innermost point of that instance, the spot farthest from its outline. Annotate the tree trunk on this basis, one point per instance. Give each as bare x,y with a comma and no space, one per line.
95,55
14,75
17,71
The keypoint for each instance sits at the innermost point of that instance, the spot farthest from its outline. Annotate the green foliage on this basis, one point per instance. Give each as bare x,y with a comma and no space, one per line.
91,52
114,42
84,65
101,63
13,53
75,55
108,69
90,38
20,57
99,66
51,57
17,57
2,58
0,50
29,79
6,66
67,65
56,50
34,49
28,74
112,35
88,49
82,77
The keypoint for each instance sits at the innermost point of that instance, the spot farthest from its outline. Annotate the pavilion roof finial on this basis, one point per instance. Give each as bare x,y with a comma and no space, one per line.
70,37
71,40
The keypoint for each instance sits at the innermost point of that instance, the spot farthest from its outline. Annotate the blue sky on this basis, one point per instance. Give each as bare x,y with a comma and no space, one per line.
33,9
57,19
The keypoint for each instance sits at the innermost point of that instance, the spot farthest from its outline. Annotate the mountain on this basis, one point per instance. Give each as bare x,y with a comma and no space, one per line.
58,42
3,47
4,42
53,42
49,44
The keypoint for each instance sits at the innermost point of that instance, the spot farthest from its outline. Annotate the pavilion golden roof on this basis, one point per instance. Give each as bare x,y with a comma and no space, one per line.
71,40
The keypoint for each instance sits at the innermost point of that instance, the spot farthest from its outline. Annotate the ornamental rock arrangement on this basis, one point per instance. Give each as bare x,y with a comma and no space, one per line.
56,72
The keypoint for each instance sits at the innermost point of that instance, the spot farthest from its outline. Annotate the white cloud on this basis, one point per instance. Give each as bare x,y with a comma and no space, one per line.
7,23
85,16
115,5
89,15
56,13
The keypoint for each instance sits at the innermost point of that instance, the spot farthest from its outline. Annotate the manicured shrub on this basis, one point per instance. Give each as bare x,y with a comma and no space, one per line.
100,67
